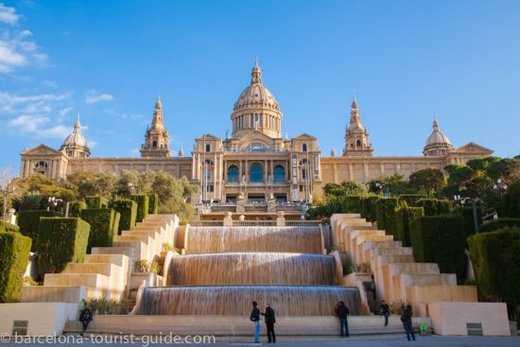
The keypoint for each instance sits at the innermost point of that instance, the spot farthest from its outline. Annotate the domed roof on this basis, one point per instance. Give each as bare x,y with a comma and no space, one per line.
256,94
437,137
75,138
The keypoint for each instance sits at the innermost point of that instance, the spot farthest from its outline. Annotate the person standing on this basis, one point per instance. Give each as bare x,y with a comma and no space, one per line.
255,318
385,311
406,318
269,323
342,313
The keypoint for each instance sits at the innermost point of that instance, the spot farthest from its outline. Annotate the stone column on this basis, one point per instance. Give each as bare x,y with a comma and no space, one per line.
280,219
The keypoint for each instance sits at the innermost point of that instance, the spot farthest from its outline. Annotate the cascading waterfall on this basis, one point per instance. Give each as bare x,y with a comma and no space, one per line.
254,239
236,300
252,269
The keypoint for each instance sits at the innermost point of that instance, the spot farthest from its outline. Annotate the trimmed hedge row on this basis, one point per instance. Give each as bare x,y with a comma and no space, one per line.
386,214
403,216
62,240
142,202
369,207
468,221
434,207
411,199
153,203
104,225
13,260
29,223
496,261
76,207
128,210
353,204
439,239
8,227
499,224
96,202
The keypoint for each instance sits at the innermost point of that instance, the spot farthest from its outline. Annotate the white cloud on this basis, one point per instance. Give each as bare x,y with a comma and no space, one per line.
93,97
59,131
8,15
26,123
10,103
50,84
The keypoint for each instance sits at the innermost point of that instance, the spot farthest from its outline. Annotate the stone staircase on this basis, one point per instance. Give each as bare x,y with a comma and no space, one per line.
106,272
398,278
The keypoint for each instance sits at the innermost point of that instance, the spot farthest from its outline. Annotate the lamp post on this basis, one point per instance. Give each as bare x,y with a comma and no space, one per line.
6,191
468,200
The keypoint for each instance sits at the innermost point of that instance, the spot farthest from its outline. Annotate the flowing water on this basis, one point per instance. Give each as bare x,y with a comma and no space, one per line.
252,269
236,300
254,239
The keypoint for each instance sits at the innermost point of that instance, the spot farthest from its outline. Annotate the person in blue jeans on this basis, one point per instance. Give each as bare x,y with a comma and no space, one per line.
342,313
255,318
406,318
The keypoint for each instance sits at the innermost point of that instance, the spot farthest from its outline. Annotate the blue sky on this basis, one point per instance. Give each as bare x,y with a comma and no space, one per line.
404,61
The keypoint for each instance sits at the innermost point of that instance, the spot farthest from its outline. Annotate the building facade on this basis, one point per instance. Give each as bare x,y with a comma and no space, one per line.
256,164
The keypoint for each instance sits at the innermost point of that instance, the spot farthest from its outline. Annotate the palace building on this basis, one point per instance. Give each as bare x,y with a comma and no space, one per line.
256,164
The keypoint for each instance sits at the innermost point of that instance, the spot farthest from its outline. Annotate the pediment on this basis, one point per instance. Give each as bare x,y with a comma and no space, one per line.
472,148
41,150
208,137
304,136
256,137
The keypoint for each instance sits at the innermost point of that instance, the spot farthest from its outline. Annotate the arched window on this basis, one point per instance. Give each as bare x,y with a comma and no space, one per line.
304,164
232,174
279,174
208,148
256,173
41,168
304,147
154,144
358,143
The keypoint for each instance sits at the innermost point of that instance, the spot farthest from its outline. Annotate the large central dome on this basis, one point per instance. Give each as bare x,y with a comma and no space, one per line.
256,109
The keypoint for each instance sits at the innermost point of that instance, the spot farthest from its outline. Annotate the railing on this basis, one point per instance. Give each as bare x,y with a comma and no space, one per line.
206,223
254,223
302,223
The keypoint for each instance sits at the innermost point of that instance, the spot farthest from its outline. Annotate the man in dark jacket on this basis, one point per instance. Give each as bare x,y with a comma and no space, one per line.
406,318
85,316
342,313
255,318
269,324
385,311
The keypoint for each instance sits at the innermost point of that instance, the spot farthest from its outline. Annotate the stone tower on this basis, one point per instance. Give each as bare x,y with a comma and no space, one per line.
156,141
437,144
75,145
357,142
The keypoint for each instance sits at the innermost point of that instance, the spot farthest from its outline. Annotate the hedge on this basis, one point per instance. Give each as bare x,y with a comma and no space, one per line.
496,261
439,239
153,203
353,204
31,203
128,210
29,223
466,212
411,199
434,207
403,216
62,240
13,261
386,214
96,202
499,224
104,225
369,207
142,206
8,227
76,207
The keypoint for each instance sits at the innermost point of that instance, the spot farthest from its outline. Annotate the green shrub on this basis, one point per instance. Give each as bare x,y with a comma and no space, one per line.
31,203
499,224
466,212
76,207
443,207
411,199
62,240
434,207
128,210
353,204
509,205
403,216
142,206
29,223
96,202
439,239
8,227
103,226
153,203
13,260
386,214
496,261
369,207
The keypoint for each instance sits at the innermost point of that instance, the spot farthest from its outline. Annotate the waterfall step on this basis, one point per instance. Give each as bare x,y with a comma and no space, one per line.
240,326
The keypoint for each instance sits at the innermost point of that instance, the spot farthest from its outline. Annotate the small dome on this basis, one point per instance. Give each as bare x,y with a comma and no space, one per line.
75,138
437,137
256,94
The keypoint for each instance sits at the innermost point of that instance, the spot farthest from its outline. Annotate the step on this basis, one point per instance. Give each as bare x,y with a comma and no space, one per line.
77,279
70,294
429,294
405,280
116,259
128,251
106,269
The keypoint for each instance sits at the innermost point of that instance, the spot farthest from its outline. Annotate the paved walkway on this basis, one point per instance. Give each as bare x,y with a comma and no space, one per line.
380,341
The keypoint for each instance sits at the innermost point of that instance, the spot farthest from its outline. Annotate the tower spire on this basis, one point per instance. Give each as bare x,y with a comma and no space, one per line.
256,73
357,142
156,140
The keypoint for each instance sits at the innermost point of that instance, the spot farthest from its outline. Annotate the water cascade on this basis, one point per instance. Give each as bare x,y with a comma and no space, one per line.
252,269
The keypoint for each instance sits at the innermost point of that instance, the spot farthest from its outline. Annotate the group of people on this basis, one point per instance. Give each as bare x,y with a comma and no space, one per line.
269,322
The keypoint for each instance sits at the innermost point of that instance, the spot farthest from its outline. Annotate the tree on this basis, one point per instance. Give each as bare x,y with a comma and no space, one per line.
394,185
429,180
343,189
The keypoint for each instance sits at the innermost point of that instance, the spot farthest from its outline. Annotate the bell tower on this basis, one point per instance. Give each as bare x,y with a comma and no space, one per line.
156,140
357,143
